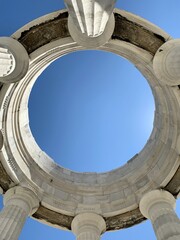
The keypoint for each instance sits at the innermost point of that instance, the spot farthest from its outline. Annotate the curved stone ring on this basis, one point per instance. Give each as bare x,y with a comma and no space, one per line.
114,195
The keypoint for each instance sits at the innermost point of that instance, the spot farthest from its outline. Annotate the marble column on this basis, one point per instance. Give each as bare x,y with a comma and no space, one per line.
91,23
14,60
166,63
88,226
158,206
7,62
19,203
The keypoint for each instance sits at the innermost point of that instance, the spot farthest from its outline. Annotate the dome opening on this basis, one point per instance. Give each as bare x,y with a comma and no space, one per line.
91,111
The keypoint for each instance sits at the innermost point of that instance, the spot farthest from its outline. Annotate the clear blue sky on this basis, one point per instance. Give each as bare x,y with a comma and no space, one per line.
96,116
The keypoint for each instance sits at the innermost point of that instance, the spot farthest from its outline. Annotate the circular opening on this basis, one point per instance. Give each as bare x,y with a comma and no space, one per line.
91,111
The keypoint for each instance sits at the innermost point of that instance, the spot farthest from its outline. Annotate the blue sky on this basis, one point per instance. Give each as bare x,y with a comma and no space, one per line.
96,116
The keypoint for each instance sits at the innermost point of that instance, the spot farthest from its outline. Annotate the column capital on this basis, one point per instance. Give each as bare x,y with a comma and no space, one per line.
166,62
14,60
155,197
83,221
91,23
7,62
22,197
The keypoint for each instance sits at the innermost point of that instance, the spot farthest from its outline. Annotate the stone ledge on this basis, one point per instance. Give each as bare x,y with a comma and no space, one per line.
112,223
56,28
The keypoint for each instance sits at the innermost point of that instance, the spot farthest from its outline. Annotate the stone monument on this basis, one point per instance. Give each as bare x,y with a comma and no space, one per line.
89,203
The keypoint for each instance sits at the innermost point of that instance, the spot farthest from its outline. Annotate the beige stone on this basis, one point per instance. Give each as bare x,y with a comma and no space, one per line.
91,23
158,206
19,203
167,61
88,226
14,60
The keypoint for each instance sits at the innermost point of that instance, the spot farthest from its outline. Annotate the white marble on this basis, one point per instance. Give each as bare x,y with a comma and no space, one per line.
14,60
7,62
19,203
88,226
158,206
166,62
90,19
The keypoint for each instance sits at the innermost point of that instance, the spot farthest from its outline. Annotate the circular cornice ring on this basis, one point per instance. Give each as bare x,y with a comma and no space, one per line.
115,194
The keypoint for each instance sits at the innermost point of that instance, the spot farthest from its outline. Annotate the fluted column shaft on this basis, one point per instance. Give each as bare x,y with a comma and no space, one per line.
158,206
7,62
88,226
14,60
19,203
91,23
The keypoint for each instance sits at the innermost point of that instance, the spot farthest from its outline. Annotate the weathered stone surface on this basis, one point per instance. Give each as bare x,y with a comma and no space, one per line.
5,180
124,220
44,33
174,185
131,32
125,30
112,223
53,217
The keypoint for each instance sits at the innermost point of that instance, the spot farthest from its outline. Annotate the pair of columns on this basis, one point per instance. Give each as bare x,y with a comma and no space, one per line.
20,202
158,206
